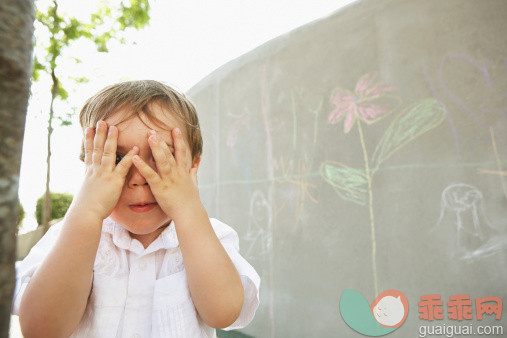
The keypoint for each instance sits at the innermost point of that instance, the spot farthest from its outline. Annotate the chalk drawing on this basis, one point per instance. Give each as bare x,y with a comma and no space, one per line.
349,183
447,115
243,139
297,94
394,168
296,175
260,218
298,179
369,103
414,121
500,172
265,110
294,122
241,122
478,143
316,112
492,111
475,238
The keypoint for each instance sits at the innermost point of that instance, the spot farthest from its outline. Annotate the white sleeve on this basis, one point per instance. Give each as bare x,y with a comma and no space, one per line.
26,268
249,277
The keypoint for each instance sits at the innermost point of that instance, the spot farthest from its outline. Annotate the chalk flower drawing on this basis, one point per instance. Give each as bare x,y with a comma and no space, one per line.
369,103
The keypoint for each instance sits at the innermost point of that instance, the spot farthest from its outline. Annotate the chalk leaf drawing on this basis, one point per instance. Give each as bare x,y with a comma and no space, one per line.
414,121
371,101
351,184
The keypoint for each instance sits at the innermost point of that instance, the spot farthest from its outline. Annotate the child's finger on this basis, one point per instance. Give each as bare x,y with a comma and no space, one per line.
161,159
180,148
169,152
98,142
148,173
126,162
88,145
109,154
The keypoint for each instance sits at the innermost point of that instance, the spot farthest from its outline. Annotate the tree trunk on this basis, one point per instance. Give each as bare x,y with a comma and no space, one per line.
16,31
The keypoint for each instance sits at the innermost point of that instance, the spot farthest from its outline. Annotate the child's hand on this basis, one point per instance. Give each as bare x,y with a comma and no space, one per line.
104,179
174,186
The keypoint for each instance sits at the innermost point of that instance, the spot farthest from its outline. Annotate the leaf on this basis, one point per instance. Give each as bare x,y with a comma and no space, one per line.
37,68
414,121
81,79
61,92
349,183
135,15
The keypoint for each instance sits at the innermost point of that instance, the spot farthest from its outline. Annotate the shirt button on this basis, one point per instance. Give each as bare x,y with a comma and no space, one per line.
142,265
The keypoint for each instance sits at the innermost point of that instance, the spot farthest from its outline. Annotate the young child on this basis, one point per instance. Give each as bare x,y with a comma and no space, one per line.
136,254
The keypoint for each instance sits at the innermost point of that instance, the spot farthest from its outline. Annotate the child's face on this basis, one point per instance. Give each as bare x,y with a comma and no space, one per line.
144,223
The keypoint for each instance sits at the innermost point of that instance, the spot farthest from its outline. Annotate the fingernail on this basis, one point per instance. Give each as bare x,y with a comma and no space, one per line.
135,148
109,132
98,123
178,131
153,138
135,158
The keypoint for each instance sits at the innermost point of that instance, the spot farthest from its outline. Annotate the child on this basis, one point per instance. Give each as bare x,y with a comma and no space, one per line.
136,254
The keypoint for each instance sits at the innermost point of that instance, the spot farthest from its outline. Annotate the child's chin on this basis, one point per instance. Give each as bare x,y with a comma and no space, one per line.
145,228
140,229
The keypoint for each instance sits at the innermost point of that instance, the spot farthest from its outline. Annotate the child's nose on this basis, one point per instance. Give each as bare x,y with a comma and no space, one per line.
135,178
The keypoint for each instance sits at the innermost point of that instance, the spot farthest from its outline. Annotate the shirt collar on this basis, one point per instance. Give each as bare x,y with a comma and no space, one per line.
121,238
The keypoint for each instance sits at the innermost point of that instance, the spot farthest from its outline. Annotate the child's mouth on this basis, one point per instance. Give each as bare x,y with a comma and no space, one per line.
142,207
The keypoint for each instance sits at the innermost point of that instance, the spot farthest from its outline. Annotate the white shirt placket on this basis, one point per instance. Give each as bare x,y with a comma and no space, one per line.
139,304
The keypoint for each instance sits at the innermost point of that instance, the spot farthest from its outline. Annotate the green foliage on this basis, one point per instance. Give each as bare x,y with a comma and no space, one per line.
101,41
61,92
37,68
104,25
136,15
65,121
80,79
21,213
60,202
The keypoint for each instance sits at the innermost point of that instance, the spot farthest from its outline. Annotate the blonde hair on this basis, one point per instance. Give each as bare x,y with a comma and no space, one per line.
135,98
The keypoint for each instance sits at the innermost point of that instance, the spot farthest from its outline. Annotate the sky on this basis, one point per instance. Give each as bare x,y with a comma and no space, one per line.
184,42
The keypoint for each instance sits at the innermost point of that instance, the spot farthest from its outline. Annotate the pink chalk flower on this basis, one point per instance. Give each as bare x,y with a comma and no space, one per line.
369,102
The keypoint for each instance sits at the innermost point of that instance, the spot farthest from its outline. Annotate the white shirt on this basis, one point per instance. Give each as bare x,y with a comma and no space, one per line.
141,292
